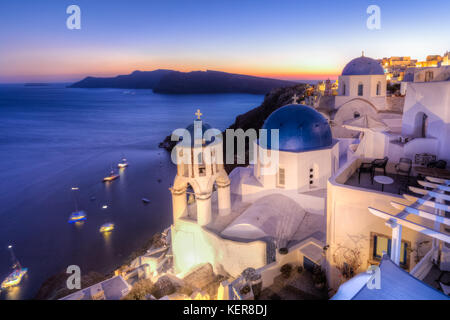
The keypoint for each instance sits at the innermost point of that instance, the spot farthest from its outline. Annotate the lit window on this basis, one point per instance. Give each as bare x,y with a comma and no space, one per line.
383,243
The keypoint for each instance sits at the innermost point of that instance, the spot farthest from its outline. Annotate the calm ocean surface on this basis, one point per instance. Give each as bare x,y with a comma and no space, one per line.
53,138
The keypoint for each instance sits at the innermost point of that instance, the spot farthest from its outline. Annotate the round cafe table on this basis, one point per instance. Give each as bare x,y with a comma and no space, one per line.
383,180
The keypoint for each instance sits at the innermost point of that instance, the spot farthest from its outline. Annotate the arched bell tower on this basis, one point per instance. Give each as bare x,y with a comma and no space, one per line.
199,158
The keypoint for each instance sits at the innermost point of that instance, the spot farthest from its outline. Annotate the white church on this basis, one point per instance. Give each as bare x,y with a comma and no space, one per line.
244,220
304,209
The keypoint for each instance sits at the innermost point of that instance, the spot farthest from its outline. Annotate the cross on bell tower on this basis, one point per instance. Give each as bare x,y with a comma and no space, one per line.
198,114
295,99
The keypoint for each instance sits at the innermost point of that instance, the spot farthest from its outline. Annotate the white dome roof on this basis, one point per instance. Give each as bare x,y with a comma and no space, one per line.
363,66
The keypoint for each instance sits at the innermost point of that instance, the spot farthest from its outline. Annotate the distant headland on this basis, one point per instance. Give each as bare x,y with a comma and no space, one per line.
195,82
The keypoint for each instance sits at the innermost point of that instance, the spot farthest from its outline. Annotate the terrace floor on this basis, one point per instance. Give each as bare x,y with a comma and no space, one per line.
398,187
435,276
299,286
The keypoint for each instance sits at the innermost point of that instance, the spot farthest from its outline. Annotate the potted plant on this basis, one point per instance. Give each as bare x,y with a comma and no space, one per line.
319,278
286,270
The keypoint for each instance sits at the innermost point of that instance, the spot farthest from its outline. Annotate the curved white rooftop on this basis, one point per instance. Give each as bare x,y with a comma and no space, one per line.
269,216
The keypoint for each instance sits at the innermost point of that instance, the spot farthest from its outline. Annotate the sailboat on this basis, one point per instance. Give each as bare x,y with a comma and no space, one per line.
113,175
123,163
15,277
77,215
107,227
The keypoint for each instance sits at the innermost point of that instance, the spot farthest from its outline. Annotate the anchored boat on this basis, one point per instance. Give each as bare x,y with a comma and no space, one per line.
123,163
107,227
77,215
15,277
113,175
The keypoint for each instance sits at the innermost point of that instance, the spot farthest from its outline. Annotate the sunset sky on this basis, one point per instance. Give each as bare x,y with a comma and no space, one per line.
281,39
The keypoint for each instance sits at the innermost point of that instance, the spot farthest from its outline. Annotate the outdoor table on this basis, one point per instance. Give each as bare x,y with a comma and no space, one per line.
383,180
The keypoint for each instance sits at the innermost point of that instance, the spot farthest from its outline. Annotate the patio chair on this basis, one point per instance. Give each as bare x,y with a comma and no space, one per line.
370,167
403,168
365,167
380,164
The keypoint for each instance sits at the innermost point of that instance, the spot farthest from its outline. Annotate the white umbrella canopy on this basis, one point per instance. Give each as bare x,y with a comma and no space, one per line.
365,123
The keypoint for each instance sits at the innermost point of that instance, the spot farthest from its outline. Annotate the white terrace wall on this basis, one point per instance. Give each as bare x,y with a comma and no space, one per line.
349,220
433,100
193,245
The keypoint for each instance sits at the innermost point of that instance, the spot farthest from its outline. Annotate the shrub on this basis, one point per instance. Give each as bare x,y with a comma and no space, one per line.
286,270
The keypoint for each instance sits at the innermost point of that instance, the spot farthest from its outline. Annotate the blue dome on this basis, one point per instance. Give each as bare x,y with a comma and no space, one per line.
363,66
301,128
191,130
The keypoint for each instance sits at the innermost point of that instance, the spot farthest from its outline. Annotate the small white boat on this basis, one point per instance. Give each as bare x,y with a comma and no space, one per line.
145,200
77,216
123,163
107,227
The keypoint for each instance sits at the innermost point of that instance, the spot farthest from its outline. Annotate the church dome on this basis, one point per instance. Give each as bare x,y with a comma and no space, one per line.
363,66
301,128
191,129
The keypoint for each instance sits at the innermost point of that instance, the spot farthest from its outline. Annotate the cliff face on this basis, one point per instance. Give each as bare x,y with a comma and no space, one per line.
254,119
197,82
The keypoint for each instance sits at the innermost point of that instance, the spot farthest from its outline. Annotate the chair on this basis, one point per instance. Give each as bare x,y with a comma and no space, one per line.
371,167
403,168
365,167
380,164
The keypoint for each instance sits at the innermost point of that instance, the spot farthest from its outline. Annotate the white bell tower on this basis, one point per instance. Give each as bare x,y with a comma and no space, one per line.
200,165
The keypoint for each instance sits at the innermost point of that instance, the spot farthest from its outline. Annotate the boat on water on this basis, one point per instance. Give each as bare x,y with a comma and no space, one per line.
145,200
123,163
15,277
107,227
77,216
113,175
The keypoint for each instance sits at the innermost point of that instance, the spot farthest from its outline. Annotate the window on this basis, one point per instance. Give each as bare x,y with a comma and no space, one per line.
281,178
379,89
360,89
382,243
186,170
428,76
424,125
356,115
343,89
